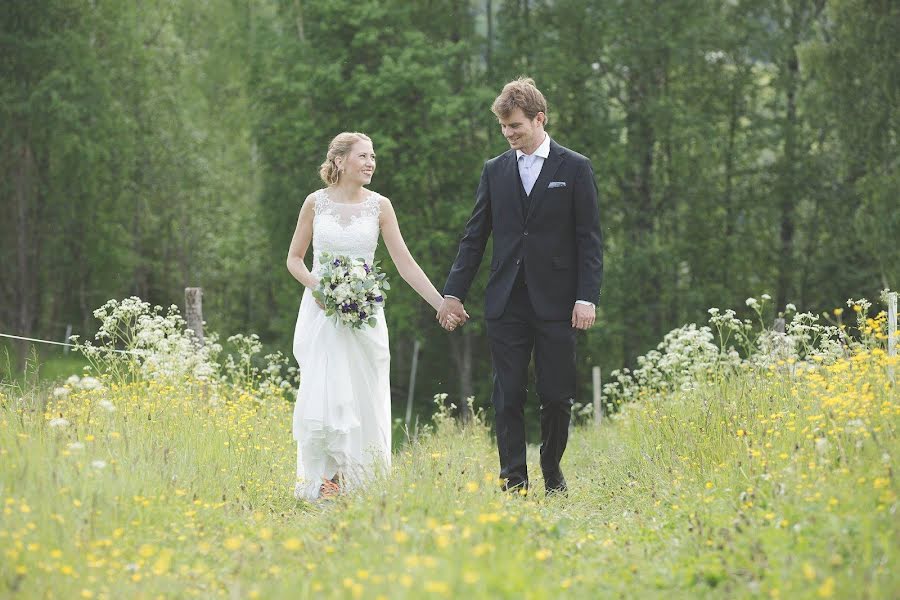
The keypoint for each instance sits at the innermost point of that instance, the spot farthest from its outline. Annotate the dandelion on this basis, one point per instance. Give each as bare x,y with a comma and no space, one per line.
472,486
291,544
542,554
232,543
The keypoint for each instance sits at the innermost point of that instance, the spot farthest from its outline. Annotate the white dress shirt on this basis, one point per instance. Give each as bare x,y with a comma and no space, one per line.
530,164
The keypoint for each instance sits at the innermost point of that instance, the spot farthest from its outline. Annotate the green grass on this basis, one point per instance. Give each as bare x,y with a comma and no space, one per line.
763,485
47,366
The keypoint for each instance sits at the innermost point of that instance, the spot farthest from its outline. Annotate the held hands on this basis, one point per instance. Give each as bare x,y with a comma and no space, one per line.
451,314
583,316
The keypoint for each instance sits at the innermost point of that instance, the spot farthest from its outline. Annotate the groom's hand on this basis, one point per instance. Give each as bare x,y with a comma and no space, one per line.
583,316
451,314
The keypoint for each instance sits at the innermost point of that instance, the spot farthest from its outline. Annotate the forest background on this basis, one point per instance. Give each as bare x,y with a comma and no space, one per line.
740,147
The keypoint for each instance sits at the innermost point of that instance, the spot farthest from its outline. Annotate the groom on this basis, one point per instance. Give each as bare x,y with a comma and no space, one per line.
539,200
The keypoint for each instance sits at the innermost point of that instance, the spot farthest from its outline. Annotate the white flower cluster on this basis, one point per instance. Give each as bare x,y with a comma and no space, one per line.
690,355
351,290
241,371
137,341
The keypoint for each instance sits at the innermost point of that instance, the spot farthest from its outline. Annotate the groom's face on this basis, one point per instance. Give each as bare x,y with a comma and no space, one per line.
521,132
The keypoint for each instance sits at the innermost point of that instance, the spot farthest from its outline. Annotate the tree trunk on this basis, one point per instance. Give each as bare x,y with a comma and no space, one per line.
641,300
788,184
26,245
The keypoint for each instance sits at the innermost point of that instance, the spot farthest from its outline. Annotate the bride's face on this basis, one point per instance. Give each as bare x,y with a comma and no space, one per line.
359,164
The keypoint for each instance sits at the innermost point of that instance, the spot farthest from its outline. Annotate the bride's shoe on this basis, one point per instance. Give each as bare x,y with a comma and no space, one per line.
329,489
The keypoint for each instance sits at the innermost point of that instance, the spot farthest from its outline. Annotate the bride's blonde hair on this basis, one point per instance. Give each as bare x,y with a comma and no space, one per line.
339,146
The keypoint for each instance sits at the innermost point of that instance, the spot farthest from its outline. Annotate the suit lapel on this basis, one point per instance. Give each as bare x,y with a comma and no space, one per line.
512,176
548,170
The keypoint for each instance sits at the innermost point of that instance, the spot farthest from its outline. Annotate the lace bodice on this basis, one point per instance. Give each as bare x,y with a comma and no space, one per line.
348,229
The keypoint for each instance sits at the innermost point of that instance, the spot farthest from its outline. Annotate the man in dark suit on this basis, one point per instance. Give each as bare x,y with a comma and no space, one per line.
539,200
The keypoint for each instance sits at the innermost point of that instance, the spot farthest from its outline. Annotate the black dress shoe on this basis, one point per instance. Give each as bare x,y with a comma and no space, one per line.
520,488
556,486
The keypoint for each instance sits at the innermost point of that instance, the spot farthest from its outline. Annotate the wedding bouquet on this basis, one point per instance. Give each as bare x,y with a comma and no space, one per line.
351,290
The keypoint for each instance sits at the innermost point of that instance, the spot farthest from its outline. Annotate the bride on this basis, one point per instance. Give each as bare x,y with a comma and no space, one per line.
342,417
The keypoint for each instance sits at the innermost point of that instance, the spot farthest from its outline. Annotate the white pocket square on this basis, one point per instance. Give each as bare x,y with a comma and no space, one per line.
556,184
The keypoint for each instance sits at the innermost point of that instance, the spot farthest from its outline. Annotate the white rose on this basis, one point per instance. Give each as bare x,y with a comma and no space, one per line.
341,292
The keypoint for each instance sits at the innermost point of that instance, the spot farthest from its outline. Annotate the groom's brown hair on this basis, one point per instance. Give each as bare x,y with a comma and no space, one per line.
520,93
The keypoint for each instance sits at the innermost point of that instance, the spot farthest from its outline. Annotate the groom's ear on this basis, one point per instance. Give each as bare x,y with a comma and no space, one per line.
540,118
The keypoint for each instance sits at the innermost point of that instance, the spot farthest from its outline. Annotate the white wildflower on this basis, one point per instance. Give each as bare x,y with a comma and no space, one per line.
58,422
60,392
73,380
90,383
76,446
98,464
107,405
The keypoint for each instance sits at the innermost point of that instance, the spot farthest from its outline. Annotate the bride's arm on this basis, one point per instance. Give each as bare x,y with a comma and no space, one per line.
300,244
406,265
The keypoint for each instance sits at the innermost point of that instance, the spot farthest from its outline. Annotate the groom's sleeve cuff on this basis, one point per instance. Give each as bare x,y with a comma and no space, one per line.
586,303
449,296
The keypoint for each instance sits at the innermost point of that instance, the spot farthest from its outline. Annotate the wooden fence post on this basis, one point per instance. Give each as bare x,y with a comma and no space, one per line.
597,396
193,311
66,341
412,382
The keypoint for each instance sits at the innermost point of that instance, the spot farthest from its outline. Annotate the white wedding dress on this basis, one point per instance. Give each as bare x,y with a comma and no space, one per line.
342,418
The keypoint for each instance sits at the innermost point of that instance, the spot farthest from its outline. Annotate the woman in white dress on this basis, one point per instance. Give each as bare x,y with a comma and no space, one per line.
342,417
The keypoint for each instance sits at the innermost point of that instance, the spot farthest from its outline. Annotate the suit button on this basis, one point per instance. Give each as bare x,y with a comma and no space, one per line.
526,233
517,261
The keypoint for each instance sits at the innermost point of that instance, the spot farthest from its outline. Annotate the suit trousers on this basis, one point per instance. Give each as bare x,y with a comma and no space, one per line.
513,338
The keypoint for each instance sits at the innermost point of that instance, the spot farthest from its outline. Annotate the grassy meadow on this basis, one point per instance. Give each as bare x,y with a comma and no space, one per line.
766,483
772,479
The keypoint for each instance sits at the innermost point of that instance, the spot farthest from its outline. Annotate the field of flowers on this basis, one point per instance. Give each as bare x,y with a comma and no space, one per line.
722,473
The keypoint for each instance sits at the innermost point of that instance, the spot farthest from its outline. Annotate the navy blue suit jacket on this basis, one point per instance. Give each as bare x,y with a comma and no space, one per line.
558,243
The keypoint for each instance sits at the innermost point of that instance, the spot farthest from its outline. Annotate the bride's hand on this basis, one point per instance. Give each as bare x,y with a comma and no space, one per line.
315,287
